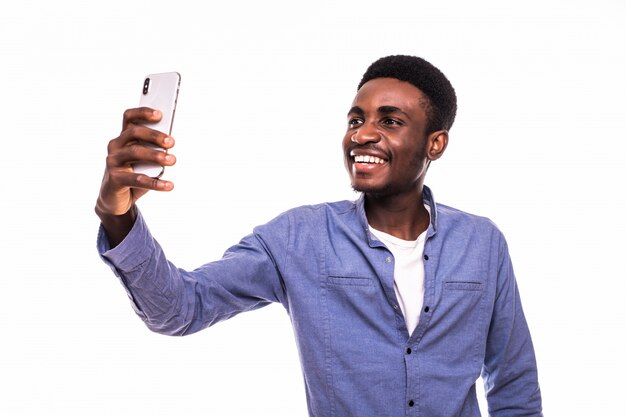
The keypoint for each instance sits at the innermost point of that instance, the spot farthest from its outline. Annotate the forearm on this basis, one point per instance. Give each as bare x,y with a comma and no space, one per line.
511,378
153,285
117,227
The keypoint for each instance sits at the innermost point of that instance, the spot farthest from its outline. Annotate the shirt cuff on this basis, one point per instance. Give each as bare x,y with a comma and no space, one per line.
131,252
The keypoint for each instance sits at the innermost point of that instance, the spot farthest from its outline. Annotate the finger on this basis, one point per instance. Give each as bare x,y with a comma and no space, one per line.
140,181
140,115
155,184
134,133
135,153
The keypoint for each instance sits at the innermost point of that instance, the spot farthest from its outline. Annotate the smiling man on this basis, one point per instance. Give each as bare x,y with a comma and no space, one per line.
398,303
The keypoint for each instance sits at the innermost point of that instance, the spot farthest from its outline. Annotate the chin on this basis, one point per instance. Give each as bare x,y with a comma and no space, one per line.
371,189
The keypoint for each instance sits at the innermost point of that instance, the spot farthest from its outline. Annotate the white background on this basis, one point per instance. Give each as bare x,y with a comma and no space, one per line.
538,146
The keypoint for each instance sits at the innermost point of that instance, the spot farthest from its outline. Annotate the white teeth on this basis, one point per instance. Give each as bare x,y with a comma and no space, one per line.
368,159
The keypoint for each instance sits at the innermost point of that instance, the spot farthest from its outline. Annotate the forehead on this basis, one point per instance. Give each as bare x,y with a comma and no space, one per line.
389,92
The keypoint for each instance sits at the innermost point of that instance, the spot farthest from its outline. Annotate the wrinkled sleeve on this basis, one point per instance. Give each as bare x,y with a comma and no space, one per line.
510,369
173,301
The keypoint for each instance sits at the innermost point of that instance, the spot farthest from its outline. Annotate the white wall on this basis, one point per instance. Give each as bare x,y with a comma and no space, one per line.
537,146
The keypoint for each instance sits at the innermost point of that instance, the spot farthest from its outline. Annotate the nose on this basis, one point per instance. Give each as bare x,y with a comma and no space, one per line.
365,134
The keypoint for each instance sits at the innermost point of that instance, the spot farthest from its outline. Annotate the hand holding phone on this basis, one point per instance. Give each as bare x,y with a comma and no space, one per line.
159,92
121,187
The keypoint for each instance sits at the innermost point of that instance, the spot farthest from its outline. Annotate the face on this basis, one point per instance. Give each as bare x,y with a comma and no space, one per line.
386,148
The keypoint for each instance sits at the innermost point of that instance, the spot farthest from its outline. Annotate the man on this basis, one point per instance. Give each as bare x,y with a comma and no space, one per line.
397,303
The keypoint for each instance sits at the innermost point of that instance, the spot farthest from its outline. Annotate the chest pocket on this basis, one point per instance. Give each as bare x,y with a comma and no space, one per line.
459,320
349,281
462,286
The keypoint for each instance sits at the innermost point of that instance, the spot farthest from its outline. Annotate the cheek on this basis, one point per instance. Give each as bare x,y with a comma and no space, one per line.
417,154
418,158
411,160
419,164
345,144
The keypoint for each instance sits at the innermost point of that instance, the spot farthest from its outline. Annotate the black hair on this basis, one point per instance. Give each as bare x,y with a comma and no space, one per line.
441,106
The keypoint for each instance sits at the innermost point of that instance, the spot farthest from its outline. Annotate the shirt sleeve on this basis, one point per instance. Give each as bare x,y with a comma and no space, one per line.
510,369
173,301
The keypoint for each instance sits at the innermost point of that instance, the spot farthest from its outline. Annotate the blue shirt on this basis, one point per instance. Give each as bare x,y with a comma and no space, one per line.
335,280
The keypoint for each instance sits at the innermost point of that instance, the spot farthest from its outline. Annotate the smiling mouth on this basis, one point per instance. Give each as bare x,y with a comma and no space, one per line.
367,159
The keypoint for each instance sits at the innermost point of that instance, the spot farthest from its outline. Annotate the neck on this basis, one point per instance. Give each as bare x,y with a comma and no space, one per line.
402,215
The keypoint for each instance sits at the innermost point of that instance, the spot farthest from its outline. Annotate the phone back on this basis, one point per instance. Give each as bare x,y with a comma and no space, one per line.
160,92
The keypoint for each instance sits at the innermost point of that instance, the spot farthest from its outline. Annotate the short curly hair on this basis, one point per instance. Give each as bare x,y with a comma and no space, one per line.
441,105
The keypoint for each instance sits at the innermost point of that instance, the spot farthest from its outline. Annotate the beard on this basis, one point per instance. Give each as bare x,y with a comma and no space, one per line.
387,188
373,191
376,191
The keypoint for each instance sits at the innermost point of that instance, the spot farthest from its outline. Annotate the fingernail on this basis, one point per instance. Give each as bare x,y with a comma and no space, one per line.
168,141
156,113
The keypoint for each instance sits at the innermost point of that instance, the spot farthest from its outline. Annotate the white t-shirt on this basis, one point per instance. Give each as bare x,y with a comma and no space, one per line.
408,274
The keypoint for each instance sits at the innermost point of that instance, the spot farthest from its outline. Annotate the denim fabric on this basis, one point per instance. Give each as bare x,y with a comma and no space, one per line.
335,280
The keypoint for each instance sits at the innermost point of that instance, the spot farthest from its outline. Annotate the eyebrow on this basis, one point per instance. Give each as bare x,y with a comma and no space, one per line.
392,109
381,110
356,110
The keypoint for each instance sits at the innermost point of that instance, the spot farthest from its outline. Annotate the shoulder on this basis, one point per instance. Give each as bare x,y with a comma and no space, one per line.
313,215
453,219
335,207
324,209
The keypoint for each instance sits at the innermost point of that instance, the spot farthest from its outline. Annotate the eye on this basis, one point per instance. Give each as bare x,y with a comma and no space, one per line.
355,122
391,122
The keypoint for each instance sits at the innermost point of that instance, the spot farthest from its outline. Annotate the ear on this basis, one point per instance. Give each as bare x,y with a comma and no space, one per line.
436,145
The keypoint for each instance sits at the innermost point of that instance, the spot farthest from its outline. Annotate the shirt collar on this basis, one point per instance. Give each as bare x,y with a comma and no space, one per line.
429,199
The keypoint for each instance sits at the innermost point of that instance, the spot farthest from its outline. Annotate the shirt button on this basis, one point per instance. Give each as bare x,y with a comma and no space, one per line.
408,351
426,309
388,259
395,306
425,257
411,403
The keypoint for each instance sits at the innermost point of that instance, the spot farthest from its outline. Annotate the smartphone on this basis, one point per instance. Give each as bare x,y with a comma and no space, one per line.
160,92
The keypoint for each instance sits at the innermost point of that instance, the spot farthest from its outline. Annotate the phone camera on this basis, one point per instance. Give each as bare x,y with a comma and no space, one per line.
146,85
